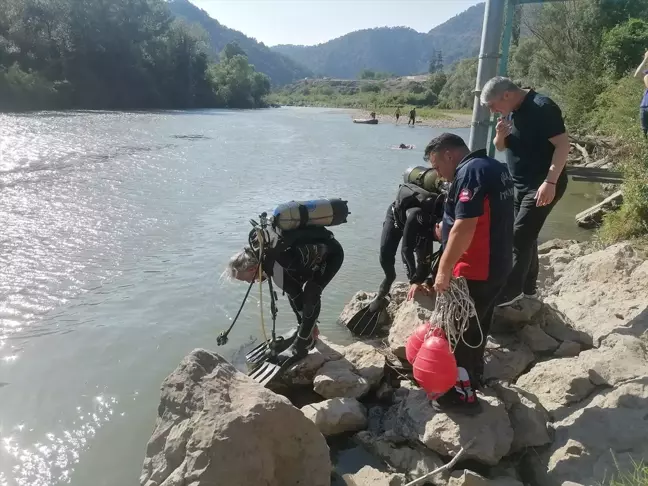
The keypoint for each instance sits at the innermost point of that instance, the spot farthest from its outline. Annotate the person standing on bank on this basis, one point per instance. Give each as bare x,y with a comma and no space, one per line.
532,131
477,240
642,72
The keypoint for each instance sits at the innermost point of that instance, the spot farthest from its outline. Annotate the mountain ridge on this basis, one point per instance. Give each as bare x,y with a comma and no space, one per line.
279,68
398,50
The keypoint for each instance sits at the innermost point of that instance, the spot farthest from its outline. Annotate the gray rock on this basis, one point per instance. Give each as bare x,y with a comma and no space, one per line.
367,361
598,441
559,383
408,317
555,244
514,317
303,372
337,415
554,325
358,301
338,379
528,417
599,293
445,434
538,340
470,478
412,461
568,349
215,422
370,476
506,358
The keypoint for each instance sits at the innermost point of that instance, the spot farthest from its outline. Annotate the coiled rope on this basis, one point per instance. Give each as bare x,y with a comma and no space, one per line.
452,312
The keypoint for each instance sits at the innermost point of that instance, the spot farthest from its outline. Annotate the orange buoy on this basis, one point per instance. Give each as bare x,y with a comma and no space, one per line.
435,367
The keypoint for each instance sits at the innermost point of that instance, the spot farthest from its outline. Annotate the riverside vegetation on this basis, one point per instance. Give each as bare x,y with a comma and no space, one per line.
121,54
580,52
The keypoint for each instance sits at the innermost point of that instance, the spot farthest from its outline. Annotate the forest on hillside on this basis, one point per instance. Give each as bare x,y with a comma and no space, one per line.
398,50
122,54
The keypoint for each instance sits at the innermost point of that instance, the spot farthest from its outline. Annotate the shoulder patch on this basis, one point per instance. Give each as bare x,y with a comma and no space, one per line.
465,195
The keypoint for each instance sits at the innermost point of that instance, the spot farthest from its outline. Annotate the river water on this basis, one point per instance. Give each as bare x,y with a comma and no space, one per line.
115,231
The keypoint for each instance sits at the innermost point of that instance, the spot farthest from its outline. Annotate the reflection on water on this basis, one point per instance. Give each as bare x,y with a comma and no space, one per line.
116,230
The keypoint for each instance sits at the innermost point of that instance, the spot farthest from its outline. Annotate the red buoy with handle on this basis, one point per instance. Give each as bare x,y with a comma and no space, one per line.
416,339
435,367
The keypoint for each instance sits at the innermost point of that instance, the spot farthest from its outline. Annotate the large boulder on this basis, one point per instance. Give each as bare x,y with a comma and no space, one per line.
409,316
367,360
215,422
514,317
561,383
337,415
603,292
538,341
506,358
604,439
339,379
528,417
412,460
446,434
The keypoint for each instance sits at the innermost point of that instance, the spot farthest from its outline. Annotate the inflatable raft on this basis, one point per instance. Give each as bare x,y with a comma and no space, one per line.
366,121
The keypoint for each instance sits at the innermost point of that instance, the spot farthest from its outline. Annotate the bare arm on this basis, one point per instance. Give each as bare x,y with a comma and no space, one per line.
559,159
638,73
459,240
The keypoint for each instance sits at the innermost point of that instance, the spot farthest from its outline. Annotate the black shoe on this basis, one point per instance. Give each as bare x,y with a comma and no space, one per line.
453,401
506,300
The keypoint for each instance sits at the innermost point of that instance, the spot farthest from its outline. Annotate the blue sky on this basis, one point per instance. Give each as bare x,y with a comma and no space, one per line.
314,21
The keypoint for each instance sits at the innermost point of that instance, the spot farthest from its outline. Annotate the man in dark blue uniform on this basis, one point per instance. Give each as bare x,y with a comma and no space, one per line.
532,132
477,238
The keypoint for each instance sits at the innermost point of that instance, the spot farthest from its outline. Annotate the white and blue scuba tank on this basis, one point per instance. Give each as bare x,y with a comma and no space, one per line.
315,213
299,222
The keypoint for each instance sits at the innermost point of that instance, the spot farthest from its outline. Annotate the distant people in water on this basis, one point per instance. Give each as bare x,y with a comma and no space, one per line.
405,146
412,117
397,114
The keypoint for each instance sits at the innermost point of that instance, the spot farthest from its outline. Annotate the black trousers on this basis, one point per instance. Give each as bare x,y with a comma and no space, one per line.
529,220
471,356
389,241
304,287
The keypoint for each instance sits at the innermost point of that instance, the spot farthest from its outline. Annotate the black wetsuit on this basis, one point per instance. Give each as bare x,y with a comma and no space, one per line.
302,271
412,220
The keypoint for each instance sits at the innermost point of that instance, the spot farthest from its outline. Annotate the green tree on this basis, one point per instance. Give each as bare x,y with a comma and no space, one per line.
623,45
458,91
437,81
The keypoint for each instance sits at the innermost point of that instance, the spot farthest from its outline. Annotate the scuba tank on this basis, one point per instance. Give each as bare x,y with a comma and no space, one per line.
421,186
319,212
424,177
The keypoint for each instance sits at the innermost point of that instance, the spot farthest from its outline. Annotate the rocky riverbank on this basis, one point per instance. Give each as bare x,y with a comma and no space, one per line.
566,401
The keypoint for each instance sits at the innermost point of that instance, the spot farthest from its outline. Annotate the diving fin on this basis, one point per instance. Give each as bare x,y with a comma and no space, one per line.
276,364
366,321
270,348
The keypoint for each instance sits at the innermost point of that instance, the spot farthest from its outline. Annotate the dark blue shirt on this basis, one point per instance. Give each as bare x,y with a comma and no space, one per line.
483,189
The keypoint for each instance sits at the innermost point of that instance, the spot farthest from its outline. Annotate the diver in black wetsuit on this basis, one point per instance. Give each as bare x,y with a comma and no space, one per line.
412,217
302,269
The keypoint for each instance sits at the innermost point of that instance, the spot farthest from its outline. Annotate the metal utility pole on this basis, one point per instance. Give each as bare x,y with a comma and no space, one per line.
489,54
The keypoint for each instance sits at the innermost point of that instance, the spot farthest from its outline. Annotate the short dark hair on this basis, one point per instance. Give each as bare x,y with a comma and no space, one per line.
443,142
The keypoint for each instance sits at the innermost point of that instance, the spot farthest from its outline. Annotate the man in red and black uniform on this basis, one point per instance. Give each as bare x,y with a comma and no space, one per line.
477,239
